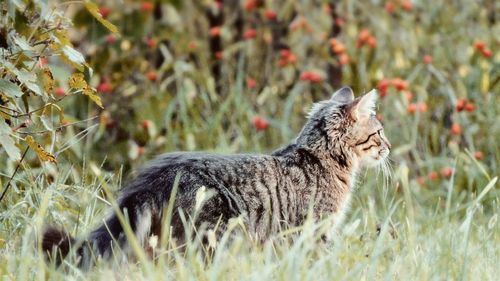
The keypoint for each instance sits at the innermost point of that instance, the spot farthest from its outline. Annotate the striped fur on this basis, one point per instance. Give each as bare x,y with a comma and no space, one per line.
269,192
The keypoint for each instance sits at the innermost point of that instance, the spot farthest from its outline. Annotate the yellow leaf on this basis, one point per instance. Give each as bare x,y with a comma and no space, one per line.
92,94
42,154
77,81
94,10
48,80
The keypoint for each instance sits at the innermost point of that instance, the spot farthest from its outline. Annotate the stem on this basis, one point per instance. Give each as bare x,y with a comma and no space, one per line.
13,174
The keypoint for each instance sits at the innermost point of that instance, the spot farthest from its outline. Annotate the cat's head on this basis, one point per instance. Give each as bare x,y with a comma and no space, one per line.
347,129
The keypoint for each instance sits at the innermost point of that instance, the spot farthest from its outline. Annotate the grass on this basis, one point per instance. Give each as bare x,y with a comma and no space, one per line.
409,227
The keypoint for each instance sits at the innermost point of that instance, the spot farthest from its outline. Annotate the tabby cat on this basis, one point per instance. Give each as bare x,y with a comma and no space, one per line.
269,192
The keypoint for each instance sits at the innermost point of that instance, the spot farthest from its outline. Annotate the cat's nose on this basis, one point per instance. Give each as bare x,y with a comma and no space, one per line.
388,144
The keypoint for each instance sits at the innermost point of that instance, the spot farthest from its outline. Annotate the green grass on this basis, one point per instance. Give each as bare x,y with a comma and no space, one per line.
443,229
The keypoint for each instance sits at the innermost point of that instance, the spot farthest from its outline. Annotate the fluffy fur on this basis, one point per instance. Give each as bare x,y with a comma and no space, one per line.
269,192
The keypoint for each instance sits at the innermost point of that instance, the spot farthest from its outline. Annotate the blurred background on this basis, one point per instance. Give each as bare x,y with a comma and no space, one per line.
101,87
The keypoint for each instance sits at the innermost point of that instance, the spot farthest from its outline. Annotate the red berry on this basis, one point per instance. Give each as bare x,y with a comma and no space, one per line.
460,104
151,42
251,83
192,45
412,108
250,33
447,172
400,84
104,11
60,92
219,55
407,5
104,87
470,107
427,59
383,86
42,62
215,31
270,14
140,150
456,129
479,45
151,75
249,5
260,123
110,38
372,42
146,124
344,59
364,35
478,155
390,7
147,6
433,176
422,107
487,53
311,76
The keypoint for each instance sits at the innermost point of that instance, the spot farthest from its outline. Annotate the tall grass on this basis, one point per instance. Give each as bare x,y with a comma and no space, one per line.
408,227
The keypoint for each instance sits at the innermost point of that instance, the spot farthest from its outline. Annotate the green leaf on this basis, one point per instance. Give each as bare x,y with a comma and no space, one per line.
73,55
10,89
94,10
7,142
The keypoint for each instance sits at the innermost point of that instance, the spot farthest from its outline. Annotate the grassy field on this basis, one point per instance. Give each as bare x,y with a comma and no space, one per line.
435,63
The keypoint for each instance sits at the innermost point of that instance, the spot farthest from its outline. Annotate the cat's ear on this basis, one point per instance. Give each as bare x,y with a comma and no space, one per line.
364,107
343,95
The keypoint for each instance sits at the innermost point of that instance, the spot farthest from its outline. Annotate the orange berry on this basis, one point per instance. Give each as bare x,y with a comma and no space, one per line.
447,172
140,150
412,108
339,49
478,155
364,35
456,129
151,75
292,58
408,95
422,107
344,59
372,42
427,59
260,123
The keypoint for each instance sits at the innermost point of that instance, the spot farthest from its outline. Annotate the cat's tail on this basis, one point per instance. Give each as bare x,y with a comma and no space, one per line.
143,219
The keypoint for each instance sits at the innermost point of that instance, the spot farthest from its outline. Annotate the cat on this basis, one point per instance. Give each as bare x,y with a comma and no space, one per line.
315,172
